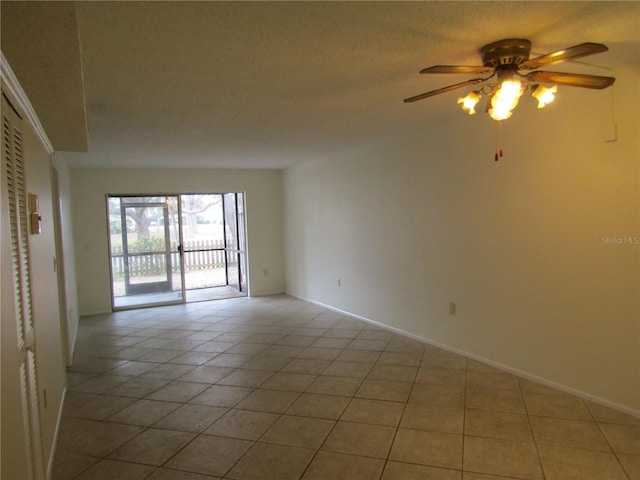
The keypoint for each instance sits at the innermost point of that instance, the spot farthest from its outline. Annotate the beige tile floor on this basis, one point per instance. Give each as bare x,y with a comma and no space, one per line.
277,388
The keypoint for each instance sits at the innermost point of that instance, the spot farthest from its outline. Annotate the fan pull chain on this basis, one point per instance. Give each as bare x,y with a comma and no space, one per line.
499,153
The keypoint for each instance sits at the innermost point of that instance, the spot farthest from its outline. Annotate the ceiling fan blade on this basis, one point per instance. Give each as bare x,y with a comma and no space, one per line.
570,53
455,86
571,79
457,69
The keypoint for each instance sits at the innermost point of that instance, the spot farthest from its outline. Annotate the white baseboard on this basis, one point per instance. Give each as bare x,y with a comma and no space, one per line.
92,314
55,436
72,347
520,373
265,294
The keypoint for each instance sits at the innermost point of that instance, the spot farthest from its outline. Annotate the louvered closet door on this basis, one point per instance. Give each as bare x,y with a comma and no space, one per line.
15,200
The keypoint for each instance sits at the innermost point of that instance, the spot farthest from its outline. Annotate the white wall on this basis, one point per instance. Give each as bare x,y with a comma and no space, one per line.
418,220
263,190
67,262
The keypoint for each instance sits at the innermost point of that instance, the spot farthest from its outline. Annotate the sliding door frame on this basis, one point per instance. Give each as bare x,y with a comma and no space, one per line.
240,254
168,264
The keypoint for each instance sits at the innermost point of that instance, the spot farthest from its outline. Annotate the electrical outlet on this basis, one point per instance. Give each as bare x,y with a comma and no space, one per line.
452,308
338,282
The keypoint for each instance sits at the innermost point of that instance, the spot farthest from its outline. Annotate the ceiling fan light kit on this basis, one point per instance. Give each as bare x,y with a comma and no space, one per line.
504,60
543,94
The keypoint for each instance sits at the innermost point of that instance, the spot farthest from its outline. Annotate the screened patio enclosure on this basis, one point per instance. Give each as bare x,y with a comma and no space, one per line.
168,249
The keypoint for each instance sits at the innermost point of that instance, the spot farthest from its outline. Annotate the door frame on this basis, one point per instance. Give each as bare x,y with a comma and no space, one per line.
147,287
241,253
168,251
237,251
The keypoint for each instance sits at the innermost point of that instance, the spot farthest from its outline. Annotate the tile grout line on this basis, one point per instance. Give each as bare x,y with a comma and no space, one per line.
280,415
615,454
404,409
464,413
335,421
533,436
253,321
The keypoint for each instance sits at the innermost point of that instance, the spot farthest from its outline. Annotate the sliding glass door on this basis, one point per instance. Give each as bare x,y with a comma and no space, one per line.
169,249
233,206
144,234
214,251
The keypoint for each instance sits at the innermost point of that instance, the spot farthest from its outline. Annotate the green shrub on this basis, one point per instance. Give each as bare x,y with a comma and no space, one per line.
147,244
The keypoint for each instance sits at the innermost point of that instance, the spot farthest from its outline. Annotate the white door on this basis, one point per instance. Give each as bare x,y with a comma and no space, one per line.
17,308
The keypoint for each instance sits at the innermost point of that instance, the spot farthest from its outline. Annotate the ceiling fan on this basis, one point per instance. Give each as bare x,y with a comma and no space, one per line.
506,59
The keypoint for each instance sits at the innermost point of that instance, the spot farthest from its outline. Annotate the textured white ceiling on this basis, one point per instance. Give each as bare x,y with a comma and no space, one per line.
270,84
40,41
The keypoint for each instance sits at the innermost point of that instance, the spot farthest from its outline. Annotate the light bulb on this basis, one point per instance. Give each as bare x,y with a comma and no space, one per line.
499,114
505,99
469,102
544,95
